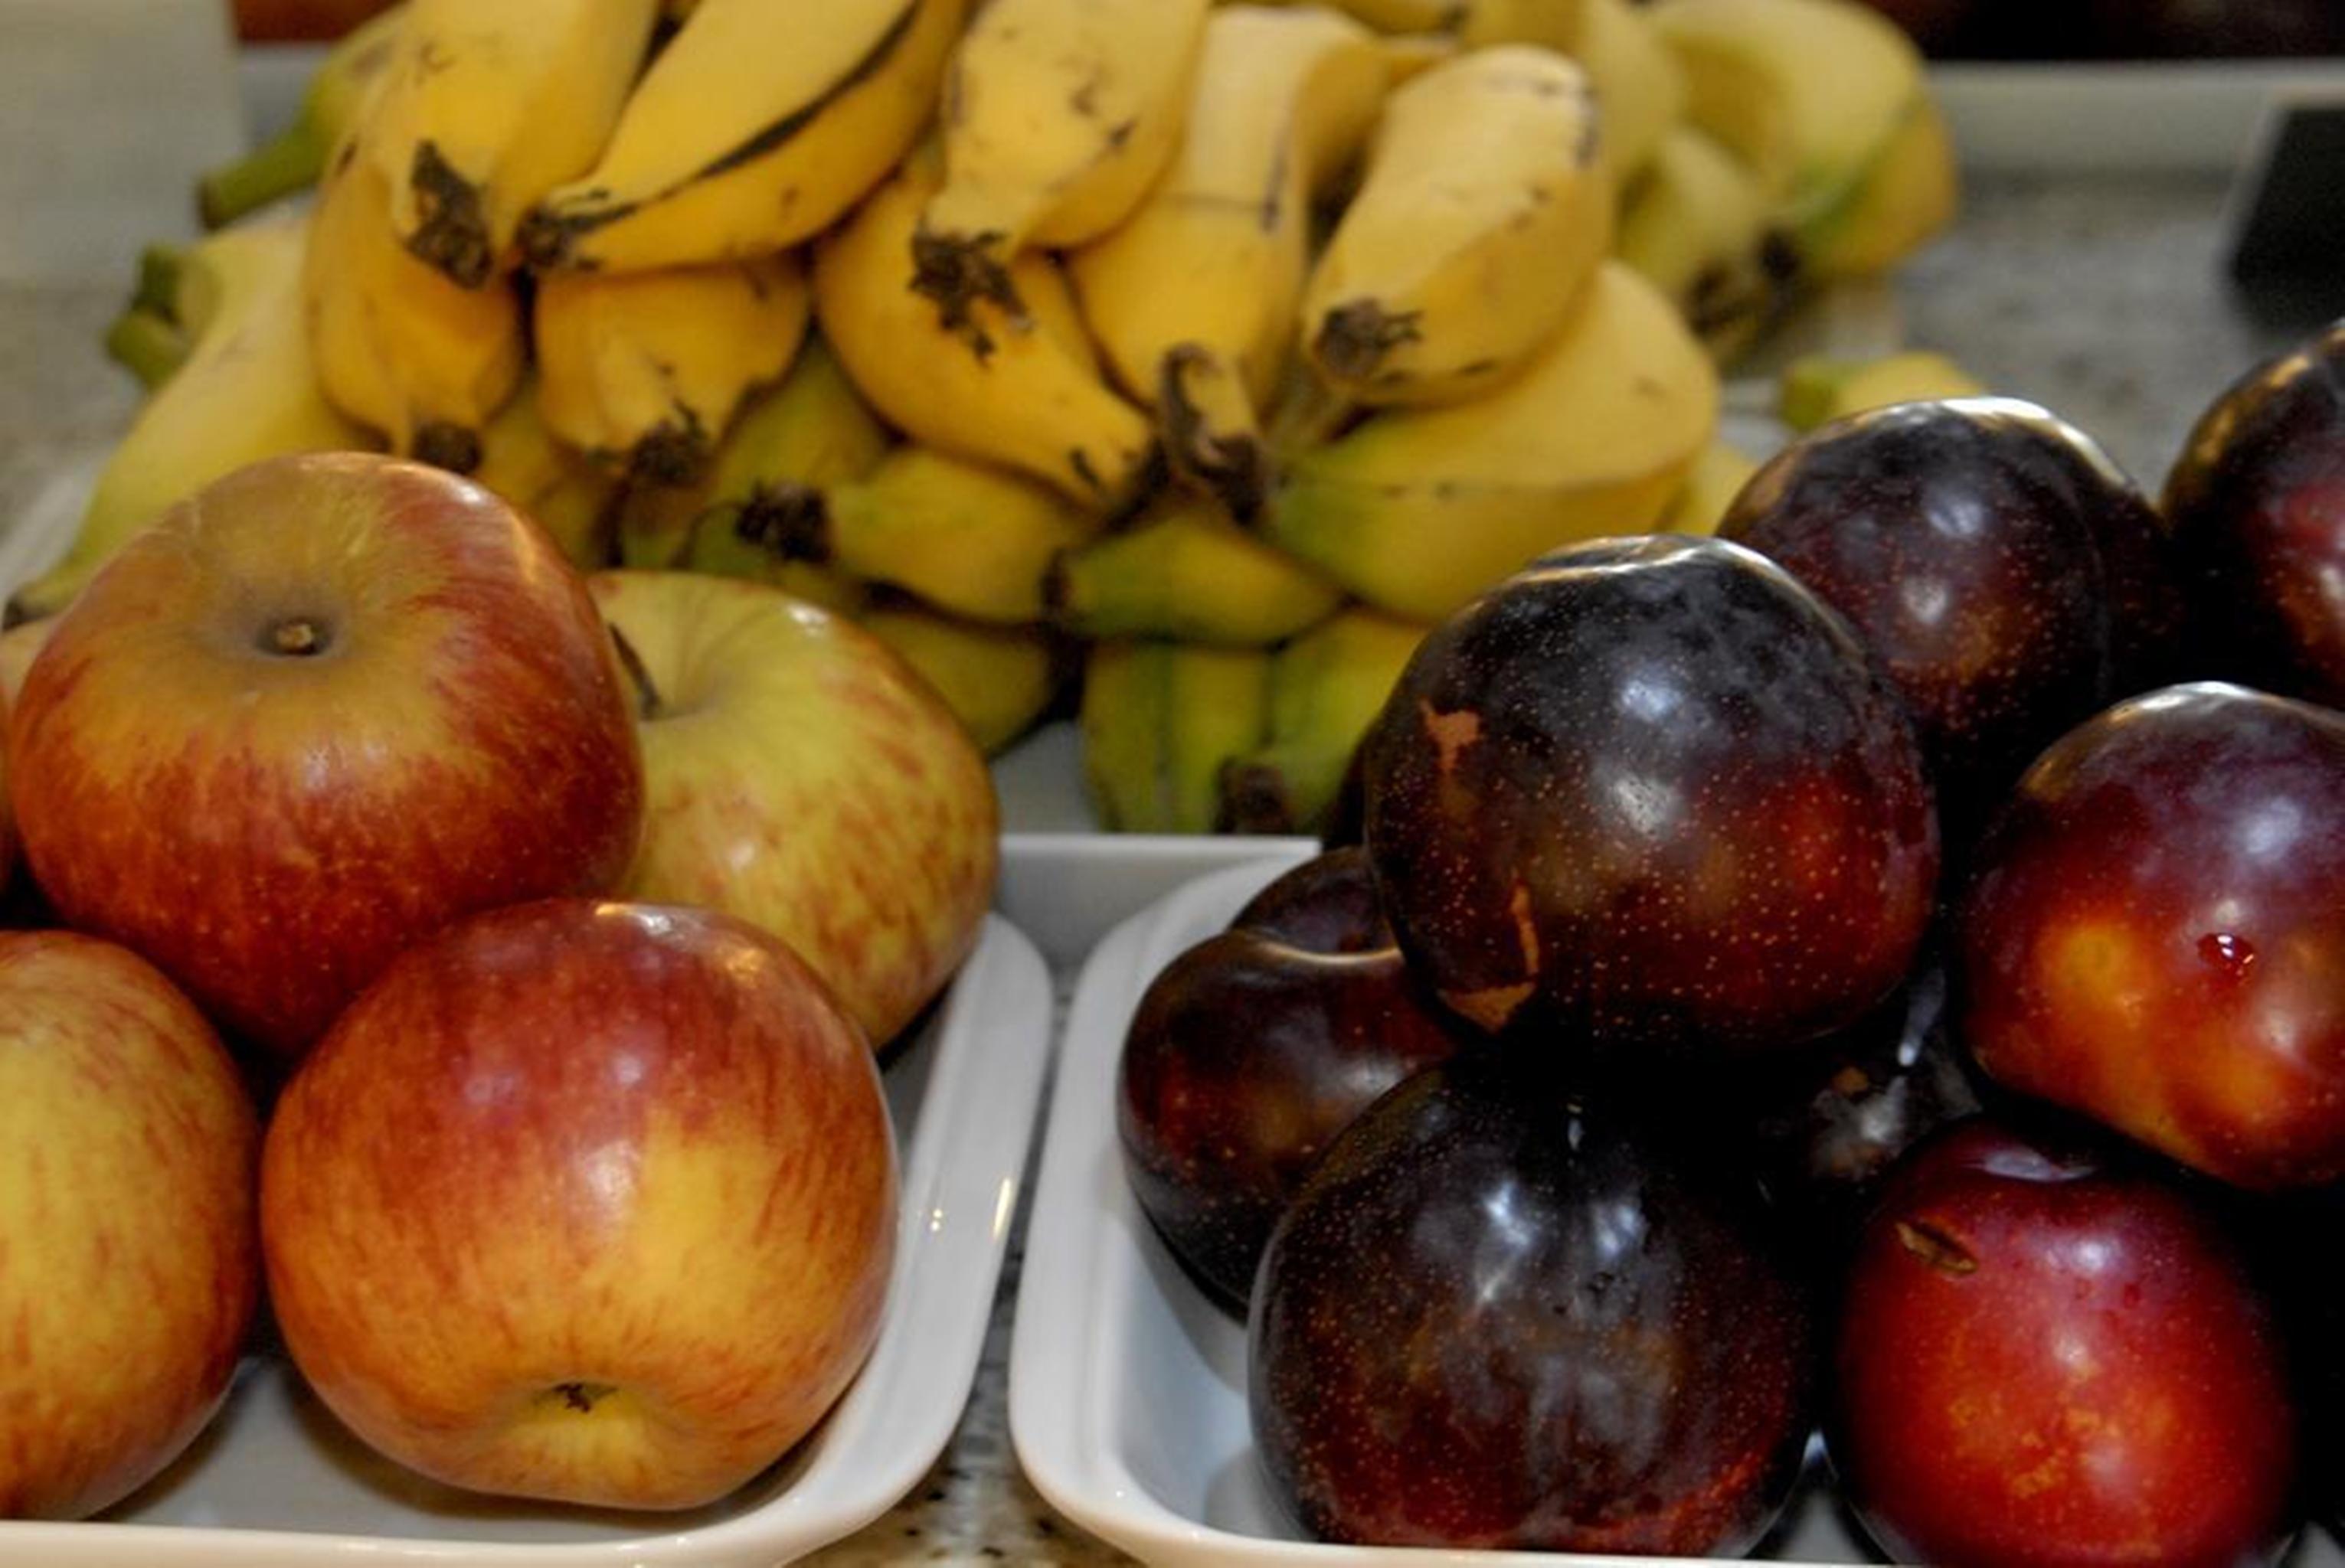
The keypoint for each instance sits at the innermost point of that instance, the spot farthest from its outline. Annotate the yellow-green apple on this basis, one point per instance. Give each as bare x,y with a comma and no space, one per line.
801,776
587,1201
128,1262
316,711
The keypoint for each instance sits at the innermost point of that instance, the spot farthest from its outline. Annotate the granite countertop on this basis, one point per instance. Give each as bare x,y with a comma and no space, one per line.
2101,299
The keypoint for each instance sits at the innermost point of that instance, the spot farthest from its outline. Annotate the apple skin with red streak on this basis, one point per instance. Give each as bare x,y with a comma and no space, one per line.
2053,1356
1649,799
1502,1315
130,1263
2153,935
2256,498
584,1201
316,711
1252,1050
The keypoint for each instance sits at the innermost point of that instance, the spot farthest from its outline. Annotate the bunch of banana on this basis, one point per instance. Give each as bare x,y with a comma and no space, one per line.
567,492
1161,721
1056,119
1324,689
1697,225
1187,573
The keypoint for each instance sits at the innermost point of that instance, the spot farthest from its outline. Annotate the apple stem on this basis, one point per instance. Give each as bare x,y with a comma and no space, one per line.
647,697
298,637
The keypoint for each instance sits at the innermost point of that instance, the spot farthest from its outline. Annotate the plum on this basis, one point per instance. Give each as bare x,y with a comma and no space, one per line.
2257,500
2006,576
2154,934
2051,1355
1252,1050
1500,1313
1649,800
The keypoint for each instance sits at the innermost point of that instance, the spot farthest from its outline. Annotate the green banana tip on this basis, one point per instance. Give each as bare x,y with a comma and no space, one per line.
149,347
289,161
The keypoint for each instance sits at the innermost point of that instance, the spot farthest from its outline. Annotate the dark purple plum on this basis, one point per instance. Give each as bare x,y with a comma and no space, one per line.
1648,798
2007,578
1501,1314
1252,1050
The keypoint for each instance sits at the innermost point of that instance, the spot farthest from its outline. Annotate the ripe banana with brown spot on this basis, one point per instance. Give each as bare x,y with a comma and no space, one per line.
1324,689
1188,573
754,128
1057,116
1484,209
1193,299
1160,722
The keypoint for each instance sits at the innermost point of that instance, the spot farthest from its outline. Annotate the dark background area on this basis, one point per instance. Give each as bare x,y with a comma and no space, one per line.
2122,29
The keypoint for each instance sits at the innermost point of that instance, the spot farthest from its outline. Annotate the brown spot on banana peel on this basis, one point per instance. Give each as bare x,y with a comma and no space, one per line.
444,444
673,453
1232,468
452,232
957,270
1356,336
547,239
1254,798
786,519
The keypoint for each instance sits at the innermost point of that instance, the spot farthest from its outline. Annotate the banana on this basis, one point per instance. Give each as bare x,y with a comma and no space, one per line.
1160,722
400,348
292,159
792,440
1484,210
1695,224
1816,389
756,127
1192,300
1187,573
1325,688
1058,117
998,681
569,494
1903,197
1806,92
1415,511
963,538
246,391
1033,399
1716,478
644,371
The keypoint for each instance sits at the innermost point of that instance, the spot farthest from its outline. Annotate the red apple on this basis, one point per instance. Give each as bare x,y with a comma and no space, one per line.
316,712
2154,935
129,1266
2051,1359
592,1202
802,777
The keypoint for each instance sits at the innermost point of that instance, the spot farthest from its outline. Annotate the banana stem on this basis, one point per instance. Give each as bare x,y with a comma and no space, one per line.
289,161
1307,416
157,289
148,345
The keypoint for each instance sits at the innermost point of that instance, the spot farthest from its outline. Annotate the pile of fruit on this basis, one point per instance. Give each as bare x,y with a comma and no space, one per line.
1214,351
1880,972
491,955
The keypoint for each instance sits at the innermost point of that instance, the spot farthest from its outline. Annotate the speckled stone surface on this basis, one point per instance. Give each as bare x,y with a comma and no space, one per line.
2103,300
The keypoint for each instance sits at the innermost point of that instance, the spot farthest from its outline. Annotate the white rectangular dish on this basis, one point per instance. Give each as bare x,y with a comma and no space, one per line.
276,1482
1127,1387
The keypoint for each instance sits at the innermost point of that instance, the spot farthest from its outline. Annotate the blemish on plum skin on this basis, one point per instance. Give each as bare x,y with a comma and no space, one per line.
1934,1248
1450,734
1518,910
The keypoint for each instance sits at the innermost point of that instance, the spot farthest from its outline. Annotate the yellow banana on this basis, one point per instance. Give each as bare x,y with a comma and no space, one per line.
1902,198
400,348
1187,573
570,495
1416,510
1716,478
1695,224
1806,92
998,681
1817,389
1032,401
491,104
246,391
644,371
1058,117
754,128
292,159
810,430
1484,207
1210,270
1160,722
965,539
1325,688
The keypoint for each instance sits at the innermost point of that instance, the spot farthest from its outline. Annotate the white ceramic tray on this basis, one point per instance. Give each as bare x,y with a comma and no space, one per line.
1127,1401
276,1482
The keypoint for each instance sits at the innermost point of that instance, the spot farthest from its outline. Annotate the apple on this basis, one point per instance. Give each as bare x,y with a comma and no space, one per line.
128,1261
314,713
2052,1355
586,1201
801,777
2153,934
